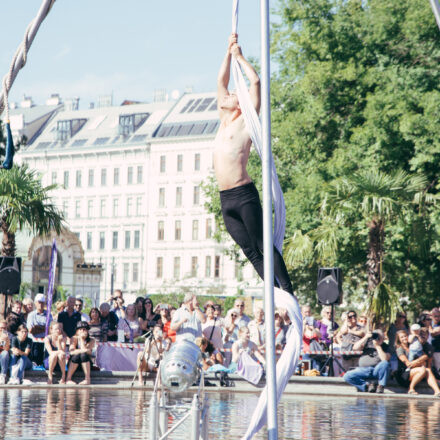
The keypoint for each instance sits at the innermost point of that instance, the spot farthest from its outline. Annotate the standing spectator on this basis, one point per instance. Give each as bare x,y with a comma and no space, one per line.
311,336
79,304
188,319
280,331
4,351
435,340
363,320
373,364
139,303
257,328
326,326
148,316
36,324
21,347
243,320
165,320
95,325
131,324
69,318
28,307
109,322
55,352
230,334
217,310
15,318
212,328
118,304
425,319
410,373
81,353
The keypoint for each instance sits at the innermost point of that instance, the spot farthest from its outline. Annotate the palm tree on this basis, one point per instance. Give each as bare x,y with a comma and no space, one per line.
25,204
377,198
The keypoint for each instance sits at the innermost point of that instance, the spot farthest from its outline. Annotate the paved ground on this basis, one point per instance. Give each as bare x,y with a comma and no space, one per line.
302,385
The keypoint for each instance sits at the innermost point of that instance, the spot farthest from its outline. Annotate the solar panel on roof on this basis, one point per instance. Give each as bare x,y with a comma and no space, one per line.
185,108
213,106
174,130
138,138
79,142
184,129
42,145
101,141
204,105
198,128
195,105
212,126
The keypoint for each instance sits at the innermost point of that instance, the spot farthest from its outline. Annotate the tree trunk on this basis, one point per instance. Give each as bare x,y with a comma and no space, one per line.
376,235
8,241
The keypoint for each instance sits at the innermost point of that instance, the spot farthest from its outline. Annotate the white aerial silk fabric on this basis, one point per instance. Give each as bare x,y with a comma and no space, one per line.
288,361
436,9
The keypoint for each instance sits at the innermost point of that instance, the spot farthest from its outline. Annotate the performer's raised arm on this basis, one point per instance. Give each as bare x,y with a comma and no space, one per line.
224,74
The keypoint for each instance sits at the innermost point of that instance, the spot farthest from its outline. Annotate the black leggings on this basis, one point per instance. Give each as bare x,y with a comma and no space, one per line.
243,217
81,358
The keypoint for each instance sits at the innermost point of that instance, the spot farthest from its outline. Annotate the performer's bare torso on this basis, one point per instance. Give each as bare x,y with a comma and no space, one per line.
231,153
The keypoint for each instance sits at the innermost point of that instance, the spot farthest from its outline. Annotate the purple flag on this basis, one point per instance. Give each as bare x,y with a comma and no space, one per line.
52,269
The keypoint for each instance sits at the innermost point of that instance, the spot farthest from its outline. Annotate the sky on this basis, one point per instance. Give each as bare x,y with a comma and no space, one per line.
128,48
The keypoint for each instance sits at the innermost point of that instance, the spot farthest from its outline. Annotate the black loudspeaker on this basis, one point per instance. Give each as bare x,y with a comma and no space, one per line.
329,288
10,275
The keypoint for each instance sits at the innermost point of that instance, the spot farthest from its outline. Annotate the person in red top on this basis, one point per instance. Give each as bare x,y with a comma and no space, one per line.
310,334
165,318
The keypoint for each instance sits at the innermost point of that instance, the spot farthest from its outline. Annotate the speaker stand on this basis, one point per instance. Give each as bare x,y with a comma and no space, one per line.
329,361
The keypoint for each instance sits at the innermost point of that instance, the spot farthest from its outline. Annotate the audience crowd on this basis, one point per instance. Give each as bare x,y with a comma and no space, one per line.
230,342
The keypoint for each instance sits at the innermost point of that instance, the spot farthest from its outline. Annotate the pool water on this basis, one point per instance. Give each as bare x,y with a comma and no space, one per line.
104,414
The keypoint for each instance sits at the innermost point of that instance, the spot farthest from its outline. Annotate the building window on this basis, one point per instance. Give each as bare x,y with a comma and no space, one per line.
208,231
176,270
138,205
135,272
161,197
91,177
196,196
129,206
163,164
130,175
178,230
197,162
140,174
78,178
193,267
103,208
66,208
77,208
217,267
90,208
195,230
127,239
179,162
116,176
125,273
89,241
160,230
102,240
54,177
115,207
137,239
128,124
159,267
208,266
178,196
66,179
104,177
115,240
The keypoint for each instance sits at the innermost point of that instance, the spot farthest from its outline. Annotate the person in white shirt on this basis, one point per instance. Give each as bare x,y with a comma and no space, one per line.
188,319
242,319
257,328
212,328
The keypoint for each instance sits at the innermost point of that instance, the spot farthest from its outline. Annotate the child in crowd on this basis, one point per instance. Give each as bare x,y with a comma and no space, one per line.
415,347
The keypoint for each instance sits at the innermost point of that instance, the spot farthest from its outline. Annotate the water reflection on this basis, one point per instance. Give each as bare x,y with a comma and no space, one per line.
97,414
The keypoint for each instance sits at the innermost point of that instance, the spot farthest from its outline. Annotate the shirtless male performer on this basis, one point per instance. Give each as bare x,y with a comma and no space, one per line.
240,202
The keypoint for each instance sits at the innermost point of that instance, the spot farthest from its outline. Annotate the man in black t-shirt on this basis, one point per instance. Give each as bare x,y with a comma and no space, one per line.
70,317
373,364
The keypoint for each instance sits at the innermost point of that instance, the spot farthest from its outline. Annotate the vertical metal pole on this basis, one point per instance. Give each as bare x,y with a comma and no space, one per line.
163,413
153,410
195,418
267,225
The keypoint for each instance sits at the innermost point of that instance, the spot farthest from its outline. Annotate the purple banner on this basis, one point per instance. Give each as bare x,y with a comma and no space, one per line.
50,287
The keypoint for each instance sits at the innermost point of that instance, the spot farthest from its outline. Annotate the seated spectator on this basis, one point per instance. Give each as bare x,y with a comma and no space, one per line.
5,344
117,303
149,359
148,316
55,352
79,304
28,307
349,333
410,373
210,356
415,346
131,324
139,303
425,319
69,318
326,326
373,364
109,322
230,333
81,348
165,320
363,320
311,336
15,318
435,340
280,332
399,324
188,319
257,328
21,347
212,328
95,325
306,311
36,324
